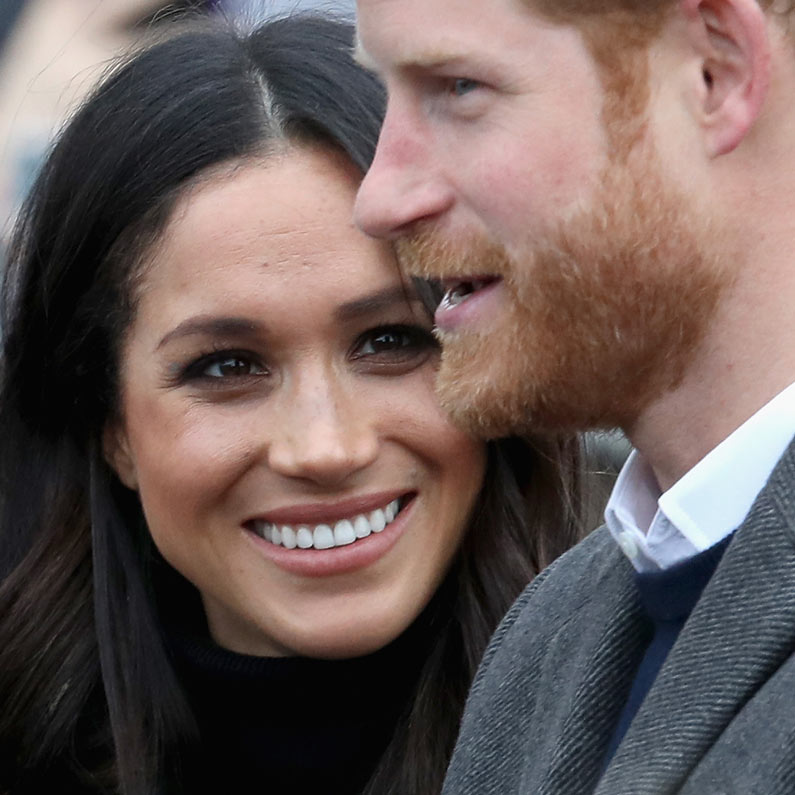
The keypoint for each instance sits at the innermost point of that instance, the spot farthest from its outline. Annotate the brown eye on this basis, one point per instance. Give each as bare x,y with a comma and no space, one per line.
221,367
391,340
393,344
229,366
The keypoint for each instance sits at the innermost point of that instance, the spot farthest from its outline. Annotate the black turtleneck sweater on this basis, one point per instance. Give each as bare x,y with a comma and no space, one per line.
274,726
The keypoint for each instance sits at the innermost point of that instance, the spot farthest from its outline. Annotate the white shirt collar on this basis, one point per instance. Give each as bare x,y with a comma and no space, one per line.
658,530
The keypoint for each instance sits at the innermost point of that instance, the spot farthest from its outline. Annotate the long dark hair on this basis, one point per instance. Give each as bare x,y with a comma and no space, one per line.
90,700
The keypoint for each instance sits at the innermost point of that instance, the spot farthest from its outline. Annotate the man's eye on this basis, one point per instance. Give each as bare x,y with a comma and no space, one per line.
463,85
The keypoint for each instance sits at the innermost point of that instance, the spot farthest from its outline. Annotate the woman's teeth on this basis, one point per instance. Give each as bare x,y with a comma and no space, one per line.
326,536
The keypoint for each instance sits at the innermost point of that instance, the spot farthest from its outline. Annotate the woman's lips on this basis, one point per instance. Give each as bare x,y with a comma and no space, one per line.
327,534
335,558
326,512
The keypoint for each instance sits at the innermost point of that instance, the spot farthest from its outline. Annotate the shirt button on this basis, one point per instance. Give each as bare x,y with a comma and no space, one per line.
628,546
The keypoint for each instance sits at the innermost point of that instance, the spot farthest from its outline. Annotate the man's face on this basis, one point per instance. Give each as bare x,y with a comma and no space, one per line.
580,276
492,123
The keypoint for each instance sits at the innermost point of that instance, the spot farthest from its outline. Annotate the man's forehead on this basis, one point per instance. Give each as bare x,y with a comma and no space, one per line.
420,34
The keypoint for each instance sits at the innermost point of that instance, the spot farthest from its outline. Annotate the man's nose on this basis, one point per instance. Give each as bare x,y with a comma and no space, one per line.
404,184
322,435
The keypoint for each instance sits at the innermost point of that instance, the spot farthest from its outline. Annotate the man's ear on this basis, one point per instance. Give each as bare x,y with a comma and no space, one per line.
116,450
731,37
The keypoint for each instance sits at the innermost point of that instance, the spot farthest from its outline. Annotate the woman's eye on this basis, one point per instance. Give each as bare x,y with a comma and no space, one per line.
384,341
223,367
231,366
396,344
463,85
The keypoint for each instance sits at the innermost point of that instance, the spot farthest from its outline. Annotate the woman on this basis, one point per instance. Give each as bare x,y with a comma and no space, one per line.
242,550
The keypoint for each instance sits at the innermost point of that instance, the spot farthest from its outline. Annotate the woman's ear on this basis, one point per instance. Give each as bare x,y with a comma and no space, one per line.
116,451
731,37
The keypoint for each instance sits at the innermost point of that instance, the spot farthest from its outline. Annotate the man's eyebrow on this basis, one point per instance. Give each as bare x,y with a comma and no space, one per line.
418,59
400,294
432,59
211,326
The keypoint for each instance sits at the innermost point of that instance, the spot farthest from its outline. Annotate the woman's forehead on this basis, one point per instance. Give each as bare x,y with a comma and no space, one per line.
273,238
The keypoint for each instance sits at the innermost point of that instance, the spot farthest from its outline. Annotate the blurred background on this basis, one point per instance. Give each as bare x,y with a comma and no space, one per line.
52,52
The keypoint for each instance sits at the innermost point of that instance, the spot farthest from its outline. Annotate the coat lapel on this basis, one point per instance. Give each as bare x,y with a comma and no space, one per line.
607,668
739,634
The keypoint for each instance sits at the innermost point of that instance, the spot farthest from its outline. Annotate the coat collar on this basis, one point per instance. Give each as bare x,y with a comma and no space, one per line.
739,634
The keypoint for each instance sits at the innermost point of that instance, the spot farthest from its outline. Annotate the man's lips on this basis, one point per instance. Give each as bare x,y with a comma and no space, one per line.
469,302
459,289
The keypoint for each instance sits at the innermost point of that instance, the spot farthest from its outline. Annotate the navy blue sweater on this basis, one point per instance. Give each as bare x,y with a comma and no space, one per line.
668,597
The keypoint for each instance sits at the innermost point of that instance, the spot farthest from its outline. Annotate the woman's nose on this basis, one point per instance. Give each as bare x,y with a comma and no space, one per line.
323,434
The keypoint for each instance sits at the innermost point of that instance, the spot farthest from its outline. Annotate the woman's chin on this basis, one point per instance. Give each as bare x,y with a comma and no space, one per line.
326,642
346,648
350,641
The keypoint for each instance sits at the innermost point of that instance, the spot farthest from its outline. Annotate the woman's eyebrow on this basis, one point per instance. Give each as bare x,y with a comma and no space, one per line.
376,302
209,325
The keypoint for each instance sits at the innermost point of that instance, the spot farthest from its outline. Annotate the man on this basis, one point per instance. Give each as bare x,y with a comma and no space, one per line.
606,189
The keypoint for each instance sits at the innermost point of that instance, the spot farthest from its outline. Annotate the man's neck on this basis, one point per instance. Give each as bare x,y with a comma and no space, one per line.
745,361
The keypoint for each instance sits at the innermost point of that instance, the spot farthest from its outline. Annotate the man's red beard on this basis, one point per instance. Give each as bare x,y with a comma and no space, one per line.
602,316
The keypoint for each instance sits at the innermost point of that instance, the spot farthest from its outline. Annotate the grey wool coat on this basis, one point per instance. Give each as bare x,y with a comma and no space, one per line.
718,720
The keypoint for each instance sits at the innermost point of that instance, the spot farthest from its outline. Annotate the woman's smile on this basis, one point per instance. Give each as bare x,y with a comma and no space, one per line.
313,551
306,532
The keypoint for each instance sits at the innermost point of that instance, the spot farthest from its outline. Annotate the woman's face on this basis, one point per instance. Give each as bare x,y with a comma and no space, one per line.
277,409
